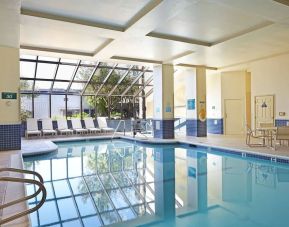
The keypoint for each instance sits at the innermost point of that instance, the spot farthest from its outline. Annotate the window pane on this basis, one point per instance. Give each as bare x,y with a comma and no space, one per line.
65,72
27,69
96,80
41,106
83,73
73,106
112,81
77,87
60,86
26,107
88,62
26,85
45,71
57,106
42,85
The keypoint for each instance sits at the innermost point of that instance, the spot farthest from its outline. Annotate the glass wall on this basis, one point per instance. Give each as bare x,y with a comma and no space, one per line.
73,88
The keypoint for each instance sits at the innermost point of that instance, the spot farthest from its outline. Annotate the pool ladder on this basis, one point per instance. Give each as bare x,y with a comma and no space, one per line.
38,183
117,127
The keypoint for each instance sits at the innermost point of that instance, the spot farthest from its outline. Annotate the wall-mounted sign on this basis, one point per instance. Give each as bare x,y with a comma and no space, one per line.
192,172
9,95
168,109
157,109
191,104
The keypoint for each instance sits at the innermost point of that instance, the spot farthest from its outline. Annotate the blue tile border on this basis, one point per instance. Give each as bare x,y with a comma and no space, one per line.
10,137
215,125
196,128
166,130
281,122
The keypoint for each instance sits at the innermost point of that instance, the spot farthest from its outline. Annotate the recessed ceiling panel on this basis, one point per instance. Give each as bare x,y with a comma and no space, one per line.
44,33
111,12
210,22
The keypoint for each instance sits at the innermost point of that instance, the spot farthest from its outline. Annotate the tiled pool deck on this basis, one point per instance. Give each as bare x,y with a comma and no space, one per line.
44,145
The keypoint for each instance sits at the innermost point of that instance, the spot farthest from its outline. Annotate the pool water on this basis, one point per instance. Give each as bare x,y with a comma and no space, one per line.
121,183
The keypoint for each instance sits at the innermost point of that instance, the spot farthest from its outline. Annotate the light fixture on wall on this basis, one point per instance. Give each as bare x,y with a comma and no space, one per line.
264,105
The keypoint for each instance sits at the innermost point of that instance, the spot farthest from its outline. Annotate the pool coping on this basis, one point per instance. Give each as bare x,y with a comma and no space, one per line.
215,148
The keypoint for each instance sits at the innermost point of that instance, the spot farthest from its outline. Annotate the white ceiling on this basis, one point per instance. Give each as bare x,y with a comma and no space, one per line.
216,33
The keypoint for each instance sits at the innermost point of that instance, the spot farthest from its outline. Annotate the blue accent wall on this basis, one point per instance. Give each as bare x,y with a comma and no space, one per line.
10,137
215,126
281,122
196,128
166,130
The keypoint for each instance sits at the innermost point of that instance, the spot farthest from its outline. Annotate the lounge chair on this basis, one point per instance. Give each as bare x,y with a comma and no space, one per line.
102,124
77,127
32,127
89,125
62,127
47,127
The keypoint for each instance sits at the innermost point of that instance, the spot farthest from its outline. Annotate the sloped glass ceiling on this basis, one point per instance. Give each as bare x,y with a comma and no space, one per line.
47,75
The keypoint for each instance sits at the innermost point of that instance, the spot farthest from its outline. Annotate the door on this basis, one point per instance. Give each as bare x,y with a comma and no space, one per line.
264,110
233,116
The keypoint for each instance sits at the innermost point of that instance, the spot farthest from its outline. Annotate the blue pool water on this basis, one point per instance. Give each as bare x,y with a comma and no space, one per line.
122,183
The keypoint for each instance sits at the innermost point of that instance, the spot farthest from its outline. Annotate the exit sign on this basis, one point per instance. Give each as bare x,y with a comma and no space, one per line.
9,95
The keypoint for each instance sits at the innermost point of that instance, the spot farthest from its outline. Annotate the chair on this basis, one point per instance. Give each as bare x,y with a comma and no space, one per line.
32,127
102,124
62,127
266,125
47,127
282,134
253,134
89,125
77,127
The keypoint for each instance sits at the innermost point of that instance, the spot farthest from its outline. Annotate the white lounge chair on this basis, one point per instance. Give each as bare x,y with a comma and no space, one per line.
102,124
89,125
47,127
62,127
32,127
77,127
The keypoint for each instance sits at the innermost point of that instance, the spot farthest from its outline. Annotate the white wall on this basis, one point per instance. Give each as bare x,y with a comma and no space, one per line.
214,100
271,77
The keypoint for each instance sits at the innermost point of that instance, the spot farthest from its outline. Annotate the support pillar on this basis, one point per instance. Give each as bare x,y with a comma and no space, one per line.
197,197
164,177
163,120
10,125
196,122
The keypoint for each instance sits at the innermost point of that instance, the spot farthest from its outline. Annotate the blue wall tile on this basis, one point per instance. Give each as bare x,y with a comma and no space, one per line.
166,130
10,137
196,128
215,126
281,122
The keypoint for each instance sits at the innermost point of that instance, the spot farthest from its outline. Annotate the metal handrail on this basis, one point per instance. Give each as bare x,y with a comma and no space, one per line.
118,125
23,180
27,197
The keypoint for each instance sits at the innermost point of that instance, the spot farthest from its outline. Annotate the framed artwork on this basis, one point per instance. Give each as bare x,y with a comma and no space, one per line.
265,175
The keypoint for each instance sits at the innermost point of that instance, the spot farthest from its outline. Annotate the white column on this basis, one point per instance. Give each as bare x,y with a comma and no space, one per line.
163,123
196,102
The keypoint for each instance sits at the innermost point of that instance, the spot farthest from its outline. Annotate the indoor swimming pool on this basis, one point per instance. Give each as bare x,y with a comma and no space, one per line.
123,183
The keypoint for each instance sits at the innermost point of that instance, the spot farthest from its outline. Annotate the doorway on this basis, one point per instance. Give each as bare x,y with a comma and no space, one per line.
233,116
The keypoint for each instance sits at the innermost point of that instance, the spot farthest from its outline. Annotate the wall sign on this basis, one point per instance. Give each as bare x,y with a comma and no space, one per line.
168,109
9,95
191,104
192,172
